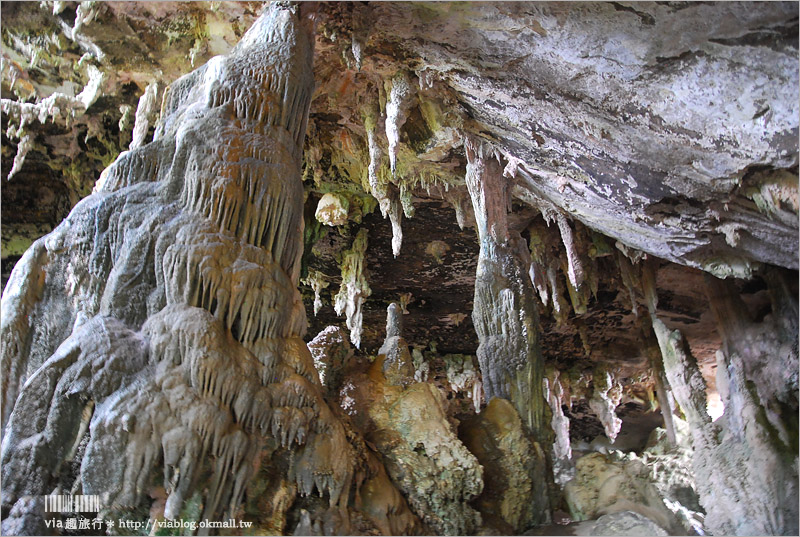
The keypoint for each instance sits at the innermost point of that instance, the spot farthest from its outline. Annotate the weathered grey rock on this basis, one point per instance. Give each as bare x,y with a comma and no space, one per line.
748,455
625,133
27,518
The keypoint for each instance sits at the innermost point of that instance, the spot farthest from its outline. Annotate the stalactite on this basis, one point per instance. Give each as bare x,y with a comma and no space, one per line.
554,393
539,262
58,105
332,209
377,187
396,218
401,99
354,289
575,271
607,396
458,201
391,204
318,282
630,279
560,306
652,351
145,108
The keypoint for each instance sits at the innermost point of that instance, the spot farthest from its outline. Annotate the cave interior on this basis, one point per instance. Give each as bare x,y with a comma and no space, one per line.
390,268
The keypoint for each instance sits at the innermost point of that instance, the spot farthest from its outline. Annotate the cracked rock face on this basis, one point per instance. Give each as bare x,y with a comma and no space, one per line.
557,99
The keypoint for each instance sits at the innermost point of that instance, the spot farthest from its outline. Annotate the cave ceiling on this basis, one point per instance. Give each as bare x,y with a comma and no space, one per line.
666,129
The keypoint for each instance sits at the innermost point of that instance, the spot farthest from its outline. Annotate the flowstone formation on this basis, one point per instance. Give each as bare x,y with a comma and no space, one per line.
154,338
515,490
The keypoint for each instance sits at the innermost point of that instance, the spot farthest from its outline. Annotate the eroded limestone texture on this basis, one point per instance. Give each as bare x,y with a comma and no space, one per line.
426,460
355,289
515,493
751,454
505,314
152,343
164,311
602,486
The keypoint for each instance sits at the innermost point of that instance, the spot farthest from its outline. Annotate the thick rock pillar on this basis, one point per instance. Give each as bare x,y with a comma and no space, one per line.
154,339
504,312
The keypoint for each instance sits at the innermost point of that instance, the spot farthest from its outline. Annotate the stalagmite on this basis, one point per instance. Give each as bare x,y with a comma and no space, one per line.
331,352
425,459
169,299
514,487
398,366
603,485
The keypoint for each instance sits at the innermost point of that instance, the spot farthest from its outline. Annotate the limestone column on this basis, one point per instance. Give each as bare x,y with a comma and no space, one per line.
504,311
154,339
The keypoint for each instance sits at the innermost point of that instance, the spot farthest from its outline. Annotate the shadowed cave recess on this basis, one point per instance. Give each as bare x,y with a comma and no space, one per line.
389,268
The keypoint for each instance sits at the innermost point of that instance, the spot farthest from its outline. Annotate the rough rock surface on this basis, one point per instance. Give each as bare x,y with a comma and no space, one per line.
332,353
426,460
603,486
504,313
626,523
515,483
623,135
751,454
